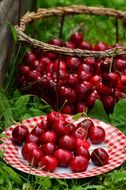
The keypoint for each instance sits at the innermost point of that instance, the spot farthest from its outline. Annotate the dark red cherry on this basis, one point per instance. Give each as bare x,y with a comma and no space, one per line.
85,45
97,134
76,38
110,79
19,134
99,157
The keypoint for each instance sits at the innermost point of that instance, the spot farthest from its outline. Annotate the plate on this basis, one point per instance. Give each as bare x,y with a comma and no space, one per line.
115,144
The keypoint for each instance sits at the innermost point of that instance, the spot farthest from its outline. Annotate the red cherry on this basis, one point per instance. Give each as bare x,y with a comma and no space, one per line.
86,123
19,134
63,157
83,152
48,148
105,65
92,63
76,38
70,44
54,116
56,42
123,79
48,137
78,142
81,107
67,94
95,79
97,134
108,102
27,148
61,127
73,63
85,45
67,142
120,64
84,76
83,90
79,164
101,46
80,132
103,90
51,55
44,124
30,57
37,131
110,79
99,157
33,76
90,100
71,80
35,156
24,69
48,163
68,109
32,138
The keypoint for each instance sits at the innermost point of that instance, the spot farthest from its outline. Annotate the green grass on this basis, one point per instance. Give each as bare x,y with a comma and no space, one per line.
15,107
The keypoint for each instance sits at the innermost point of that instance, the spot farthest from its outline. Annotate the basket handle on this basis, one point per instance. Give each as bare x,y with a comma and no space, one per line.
60,11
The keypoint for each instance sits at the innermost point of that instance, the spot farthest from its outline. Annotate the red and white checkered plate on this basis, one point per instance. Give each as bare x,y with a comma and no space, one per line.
115,144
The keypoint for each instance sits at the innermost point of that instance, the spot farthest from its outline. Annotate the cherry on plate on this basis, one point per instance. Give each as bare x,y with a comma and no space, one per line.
19,134
99,157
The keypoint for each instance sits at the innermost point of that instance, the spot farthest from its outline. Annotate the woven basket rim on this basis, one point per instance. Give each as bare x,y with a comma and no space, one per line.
61,11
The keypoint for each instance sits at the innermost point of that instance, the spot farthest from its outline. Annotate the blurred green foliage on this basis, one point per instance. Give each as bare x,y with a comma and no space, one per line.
94,28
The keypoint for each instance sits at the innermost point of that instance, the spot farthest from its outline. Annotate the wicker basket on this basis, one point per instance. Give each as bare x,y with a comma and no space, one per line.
62,12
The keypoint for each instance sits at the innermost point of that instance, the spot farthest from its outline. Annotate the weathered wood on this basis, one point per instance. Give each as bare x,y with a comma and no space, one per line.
8,15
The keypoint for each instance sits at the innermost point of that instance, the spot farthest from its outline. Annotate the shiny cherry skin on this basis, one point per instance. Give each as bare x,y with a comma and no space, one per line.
32,138
63,157
54,116
62,127
99,157
27,148
85,45
68,109
48,148
67,142
70,44
101,46
83,152
79,163
73,63
76,38
80,133
96,134
79,142
48,137
110,79
35,156
37,130
30,57
48,163
80,107
56,42
19,134
109,103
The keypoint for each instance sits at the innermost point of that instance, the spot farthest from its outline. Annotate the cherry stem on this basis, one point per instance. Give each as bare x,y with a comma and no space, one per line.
63,105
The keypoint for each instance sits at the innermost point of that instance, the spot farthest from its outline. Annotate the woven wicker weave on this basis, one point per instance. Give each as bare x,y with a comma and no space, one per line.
64,11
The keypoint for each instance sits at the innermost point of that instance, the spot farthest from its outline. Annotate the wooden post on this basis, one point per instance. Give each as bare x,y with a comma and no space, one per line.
9,14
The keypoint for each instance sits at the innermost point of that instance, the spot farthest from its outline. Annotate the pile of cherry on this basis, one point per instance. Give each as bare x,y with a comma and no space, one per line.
74,82
57,142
